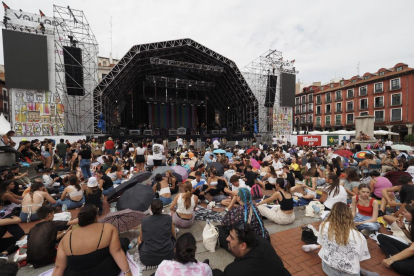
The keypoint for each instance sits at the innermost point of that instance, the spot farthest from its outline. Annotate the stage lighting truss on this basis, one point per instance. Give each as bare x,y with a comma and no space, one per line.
256,74
25,29
187,65
159,81
231,88
81,112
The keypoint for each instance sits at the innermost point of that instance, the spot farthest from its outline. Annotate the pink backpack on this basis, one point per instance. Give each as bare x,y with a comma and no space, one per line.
256,191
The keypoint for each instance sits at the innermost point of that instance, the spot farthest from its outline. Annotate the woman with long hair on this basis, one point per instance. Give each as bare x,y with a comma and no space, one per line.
93,194
183,207
269,180
139,156
351,183
162,188
333,193
7,197
342,246
247,212
282,213
72,195
33,201
172,181
401,255
216,184
366,217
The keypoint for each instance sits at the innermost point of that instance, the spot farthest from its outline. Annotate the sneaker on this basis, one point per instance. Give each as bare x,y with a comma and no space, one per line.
177,231
226,210
380,213
206,261
367,232
206,201
4,256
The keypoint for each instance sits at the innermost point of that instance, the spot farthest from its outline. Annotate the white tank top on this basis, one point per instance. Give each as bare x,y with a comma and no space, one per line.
272,180
140,151
181,206
75,192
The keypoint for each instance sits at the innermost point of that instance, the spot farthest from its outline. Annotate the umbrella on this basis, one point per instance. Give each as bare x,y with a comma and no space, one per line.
163,169
124,220
344,153
206,156
138,178
248,151
267,158
402,147
254,163
219,167
219,151
229,154
137,198
192,162
361,154
100,159
181,171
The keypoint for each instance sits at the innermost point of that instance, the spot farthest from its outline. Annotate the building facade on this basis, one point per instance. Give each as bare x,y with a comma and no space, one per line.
387,94
105,65
4,100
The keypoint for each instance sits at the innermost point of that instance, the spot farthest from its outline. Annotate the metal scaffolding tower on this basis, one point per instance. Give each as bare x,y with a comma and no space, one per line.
256,75
72,29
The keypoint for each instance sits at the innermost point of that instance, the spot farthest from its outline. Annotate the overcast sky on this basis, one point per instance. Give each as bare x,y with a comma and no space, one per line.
326,38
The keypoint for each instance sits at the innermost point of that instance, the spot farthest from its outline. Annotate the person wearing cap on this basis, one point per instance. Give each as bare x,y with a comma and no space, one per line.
93,194
110,146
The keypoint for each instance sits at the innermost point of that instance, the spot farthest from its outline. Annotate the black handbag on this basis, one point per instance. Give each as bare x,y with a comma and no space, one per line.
308,236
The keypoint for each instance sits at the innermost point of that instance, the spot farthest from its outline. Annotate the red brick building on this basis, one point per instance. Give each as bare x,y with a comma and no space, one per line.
388,94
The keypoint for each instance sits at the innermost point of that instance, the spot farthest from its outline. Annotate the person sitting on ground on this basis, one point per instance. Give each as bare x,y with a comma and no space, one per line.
282,213
216,184
338,240
377,184
50,183
333,193
406,191
250,176
368,160
268,182
92,248
72,195
9,268
184,262
172,181
9,224
157,236
254,254
7,197
389,162
93,194
401,255
199,186
288,175
115,175
34,200
308,188
365,211
247,212
20,179
351,183
43,237
105,182
295,168
236,183
183,207
162,188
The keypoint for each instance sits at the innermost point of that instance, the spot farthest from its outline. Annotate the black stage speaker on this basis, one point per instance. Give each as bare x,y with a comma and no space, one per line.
215,132
134,132
270,91
148,132
73,71
287,92
181,131
172,132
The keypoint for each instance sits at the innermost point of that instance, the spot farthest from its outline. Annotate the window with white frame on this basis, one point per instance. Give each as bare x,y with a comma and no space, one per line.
382,73
338,107
310,98
354,81
332,85
318,99
310,118
399,68
395,84
318,121
338,120
328,97
342,82
310,107
328,120
366,78
350,93
396,99
379,115
363,91
297,100
350,106
318,110
363,104
304,108
378,87
328,108
349,119
379,102
302,119
338,95
396,114
303,100
297,109
363,113
321,88
105,63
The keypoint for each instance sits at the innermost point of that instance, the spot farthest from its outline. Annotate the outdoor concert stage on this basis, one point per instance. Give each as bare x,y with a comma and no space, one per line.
175,84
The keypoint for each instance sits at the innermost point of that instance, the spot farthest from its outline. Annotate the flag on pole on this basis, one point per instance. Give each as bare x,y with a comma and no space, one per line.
5,6
293,61
41,13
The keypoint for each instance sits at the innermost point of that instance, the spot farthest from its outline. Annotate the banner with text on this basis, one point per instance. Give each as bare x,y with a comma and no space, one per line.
333,140
310,140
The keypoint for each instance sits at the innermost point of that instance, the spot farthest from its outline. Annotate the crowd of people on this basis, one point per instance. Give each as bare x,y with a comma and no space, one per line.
359,202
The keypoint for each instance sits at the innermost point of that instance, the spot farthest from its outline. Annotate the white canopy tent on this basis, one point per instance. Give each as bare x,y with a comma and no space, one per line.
384,132
4,125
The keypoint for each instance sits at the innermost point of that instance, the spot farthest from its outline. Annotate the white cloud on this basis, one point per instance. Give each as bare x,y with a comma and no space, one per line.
327,38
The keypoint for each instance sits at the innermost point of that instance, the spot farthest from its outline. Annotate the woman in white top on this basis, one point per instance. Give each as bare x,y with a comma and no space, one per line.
268,182
333,193
163,189
72,195
342,246
139,157
34,200
183,207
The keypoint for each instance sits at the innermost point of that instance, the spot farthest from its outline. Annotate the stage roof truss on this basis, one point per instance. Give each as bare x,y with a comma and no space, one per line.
187,65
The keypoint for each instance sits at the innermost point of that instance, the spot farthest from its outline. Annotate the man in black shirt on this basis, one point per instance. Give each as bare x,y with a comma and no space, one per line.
250,176
254,255
105,182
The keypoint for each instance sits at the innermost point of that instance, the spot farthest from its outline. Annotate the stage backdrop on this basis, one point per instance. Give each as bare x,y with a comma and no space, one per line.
172,116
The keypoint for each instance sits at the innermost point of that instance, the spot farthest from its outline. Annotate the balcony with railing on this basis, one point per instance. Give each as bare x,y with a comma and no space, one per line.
349,109
328,124
338,110
377,90
350,95
395,87
318,124
378,104
337,99
328,100
318,101
396,118
338,123
318,112
379,119
329,111
363,107
349,122
396,102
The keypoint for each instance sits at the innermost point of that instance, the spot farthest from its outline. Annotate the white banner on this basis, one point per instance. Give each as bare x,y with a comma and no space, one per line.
30,19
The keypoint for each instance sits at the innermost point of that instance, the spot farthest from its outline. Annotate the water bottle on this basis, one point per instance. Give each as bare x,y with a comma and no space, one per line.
64,208
132,243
